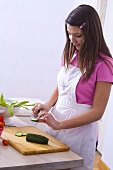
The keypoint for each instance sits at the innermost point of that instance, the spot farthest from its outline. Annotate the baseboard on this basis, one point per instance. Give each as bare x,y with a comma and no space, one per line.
102,166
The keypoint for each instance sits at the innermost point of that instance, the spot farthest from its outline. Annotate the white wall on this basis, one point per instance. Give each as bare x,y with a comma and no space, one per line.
88,2
31,44
32,38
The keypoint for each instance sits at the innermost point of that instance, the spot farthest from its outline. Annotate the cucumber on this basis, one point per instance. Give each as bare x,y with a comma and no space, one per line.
24,134
36,138
18,134
34,120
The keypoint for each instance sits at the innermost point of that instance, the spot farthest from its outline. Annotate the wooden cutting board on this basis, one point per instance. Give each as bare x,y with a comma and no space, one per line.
29,148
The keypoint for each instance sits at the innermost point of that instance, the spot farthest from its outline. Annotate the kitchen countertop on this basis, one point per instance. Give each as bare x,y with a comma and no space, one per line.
11,159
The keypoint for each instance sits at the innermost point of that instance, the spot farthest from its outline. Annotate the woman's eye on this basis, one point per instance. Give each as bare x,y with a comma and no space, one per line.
75,35
78,36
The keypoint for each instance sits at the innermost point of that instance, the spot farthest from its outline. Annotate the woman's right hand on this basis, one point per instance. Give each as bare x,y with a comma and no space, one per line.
41,107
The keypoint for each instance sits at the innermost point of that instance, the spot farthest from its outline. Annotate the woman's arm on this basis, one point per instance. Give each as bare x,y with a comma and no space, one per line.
101,97
53,98
46,106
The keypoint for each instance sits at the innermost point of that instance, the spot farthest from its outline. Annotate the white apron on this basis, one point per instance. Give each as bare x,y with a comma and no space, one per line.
81,140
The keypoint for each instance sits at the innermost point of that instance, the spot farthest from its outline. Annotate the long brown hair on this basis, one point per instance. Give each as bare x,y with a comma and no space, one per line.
94,40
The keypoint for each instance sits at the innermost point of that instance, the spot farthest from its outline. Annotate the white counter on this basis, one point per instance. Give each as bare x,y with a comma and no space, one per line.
11,159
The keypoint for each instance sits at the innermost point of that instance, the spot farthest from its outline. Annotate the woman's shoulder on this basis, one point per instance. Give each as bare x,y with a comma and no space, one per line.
104,60
104,68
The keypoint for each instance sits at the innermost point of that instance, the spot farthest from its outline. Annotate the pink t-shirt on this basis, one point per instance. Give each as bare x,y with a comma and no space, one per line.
85,90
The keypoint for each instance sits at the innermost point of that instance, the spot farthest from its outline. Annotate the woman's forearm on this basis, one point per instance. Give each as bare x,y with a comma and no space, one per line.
53,98
80,120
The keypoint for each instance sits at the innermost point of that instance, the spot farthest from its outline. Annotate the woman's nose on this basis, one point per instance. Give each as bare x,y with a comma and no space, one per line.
72,38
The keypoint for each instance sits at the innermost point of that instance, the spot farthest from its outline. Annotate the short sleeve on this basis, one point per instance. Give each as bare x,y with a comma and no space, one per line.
105,72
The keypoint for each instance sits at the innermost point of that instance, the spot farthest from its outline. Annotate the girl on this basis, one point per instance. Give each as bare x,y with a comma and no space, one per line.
84,85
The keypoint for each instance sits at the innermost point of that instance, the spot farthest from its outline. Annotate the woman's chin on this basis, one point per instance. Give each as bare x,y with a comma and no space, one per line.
78,48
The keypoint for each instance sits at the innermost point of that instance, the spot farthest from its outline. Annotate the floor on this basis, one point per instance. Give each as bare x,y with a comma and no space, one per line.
97,159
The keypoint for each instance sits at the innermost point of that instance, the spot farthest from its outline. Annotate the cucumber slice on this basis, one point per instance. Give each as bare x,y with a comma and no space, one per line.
18,134
34,120
24,134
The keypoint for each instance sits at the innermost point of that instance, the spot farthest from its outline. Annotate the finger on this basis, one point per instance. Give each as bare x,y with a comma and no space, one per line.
37,108
34,107
42,114
44,119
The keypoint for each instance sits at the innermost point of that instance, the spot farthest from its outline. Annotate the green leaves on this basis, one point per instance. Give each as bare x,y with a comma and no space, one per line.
10,105
2,101
10,109
21,103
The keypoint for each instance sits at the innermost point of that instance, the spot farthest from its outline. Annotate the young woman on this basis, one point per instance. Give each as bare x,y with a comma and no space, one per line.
84,85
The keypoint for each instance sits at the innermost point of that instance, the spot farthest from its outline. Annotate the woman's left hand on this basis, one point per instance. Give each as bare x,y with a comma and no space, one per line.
48,118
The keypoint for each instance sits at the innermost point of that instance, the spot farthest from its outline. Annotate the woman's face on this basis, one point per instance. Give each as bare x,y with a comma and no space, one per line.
76,36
